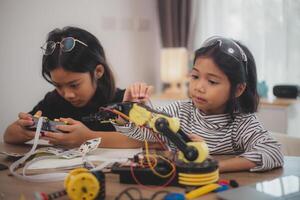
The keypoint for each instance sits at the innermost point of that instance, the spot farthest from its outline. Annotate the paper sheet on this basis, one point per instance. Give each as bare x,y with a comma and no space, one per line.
100,154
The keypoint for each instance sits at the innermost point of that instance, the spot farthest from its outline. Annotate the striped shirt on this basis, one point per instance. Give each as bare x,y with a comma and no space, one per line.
244,136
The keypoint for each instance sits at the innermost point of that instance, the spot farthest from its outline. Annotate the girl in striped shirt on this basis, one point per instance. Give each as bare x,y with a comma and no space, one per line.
221,108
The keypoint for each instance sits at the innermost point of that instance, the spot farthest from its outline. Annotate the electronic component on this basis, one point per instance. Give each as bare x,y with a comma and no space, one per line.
48,125
132,172
192,165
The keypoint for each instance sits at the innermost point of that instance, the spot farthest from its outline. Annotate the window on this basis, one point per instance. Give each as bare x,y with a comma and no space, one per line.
269,28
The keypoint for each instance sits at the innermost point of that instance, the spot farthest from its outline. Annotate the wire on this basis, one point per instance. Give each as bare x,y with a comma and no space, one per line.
159,140
161,157
121,114
149,187
126,193
142,126
127,190
146,164
172,172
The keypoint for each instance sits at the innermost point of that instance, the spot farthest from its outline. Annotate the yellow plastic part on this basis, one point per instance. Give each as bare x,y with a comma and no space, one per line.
58,120
202,149
198,179
174,123
139,115
73,173
81,184
198,175
188,183
201,191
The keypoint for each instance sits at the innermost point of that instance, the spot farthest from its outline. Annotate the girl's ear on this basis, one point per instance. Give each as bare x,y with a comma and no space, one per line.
240,89
99,71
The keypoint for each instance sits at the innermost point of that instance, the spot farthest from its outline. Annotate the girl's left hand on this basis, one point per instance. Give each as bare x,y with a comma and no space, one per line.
75,133
138,92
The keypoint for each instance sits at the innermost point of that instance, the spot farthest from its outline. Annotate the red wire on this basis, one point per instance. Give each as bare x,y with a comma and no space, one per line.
151,130
159,140
131,165
127,118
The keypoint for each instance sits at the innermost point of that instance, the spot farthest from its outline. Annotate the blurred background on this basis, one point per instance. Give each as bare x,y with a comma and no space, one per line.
135,33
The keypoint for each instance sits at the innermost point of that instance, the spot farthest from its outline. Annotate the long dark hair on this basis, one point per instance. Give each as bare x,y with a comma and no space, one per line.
237,72
80,59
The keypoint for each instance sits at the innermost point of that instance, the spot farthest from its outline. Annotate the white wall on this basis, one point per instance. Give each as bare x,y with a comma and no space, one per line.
128,30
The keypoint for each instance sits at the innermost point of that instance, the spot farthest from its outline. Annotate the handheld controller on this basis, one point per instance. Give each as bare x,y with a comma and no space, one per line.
48,125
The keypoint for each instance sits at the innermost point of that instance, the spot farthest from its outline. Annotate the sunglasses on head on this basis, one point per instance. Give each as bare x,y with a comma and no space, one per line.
229,47
66,45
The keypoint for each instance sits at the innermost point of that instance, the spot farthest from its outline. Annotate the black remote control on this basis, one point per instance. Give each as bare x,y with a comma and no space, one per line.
48,125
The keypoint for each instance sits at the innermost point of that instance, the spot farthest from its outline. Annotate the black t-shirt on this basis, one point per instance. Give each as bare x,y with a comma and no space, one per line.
55,106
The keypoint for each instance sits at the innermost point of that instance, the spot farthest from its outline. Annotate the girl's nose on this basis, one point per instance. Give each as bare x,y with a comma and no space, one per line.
200,86
68,94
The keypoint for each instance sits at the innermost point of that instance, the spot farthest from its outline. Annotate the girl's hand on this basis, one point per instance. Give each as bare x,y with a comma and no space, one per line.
26,120
138,92
196,138
75,133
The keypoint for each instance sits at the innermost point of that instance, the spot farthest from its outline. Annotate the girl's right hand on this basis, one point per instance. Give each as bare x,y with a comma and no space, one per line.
75,133
26,120
138,92
17,132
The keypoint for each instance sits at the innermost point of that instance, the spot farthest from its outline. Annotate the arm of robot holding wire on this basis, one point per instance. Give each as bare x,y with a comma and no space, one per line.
139,128
139,92
147,116
148,124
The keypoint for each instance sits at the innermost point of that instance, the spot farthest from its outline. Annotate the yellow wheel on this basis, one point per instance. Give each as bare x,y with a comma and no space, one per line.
82,185
72,174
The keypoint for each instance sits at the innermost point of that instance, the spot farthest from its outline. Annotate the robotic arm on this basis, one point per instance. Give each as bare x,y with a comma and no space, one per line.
162,125
160,122
193,167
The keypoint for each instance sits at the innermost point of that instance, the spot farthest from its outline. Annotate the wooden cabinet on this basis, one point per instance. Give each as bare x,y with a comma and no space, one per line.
280,115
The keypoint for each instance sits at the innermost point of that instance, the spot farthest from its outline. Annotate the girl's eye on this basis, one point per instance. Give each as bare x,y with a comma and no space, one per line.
213,82
74,86
193,76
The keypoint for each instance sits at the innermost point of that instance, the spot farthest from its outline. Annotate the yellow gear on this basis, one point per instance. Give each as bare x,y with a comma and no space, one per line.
81,184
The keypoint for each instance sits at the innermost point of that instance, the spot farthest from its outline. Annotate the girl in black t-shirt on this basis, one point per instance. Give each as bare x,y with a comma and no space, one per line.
74,62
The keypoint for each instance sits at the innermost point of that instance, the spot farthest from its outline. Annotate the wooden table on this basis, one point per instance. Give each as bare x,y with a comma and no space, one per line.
13,188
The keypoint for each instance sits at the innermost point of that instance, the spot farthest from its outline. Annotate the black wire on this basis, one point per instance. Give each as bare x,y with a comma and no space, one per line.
126,192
